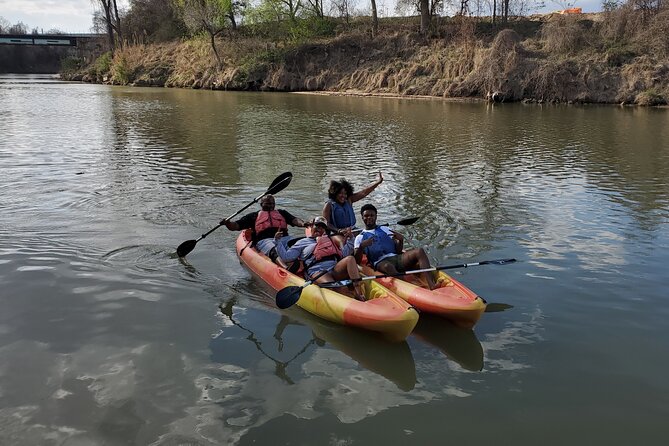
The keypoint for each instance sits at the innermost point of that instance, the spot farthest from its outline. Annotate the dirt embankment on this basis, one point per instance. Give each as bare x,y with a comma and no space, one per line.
557,59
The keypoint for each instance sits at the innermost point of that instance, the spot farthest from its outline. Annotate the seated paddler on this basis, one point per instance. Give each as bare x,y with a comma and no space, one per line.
269,225
384,249
319,253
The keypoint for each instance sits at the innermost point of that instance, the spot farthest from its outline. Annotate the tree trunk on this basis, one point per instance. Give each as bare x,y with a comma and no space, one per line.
117,19
212,35
494,11
375,20
424,17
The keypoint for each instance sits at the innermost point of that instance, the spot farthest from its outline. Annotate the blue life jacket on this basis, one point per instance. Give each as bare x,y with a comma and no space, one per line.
382,245
342,216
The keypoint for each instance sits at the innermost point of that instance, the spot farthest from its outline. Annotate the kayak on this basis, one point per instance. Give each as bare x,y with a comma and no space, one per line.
383,312
450,299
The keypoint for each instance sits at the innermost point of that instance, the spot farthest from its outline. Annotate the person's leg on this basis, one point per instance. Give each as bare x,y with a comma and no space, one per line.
266,245
417,258
346,268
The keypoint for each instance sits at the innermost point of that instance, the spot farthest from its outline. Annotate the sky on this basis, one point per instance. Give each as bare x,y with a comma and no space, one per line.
76,16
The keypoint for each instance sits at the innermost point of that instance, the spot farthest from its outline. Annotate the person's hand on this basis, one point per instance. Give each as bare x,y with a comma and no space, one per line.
346,232
397,236
278,234
223,222
367,242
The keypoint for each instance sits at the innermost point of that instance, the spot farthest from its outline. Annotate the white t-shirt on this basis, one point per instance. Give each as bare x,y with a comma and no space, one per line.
358,240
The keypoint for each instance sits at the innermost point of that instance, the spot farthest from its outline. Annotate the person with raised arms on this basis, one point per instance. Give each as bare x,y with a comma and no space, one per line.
338,210
319,253
269,225
384,249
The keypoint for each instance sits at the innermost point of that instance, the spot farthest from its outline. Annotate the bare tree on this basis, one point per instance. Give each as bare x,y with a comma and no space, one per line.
4,25
316,7
206,15
112,21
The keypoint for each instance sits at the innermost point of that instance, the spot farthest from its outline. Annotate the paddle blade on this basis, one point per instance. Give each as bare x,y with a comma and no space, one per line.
186,247
279,183
408,221
288,296
497,262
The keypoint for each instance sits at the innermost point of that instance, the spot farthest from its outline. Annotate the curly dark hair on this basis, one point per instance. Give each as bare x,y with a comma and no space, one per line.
337,186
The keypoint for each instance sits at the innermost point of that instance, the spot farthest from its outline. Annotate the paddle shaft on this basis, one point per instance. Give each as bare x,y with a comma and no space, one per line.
405,222
276,186
427,270
255,200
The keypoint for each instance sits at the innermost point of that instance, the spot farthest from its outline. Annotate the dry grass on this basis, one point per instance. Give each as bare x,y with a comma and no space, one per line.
622,58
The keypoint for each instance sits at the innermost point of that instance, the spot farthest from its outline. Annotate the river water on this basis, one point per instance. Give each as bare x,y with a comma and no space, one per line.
107,338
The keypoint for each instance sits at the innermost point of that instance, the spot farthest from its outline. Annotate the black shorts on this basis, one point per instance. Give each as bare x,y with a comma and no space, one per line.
397,261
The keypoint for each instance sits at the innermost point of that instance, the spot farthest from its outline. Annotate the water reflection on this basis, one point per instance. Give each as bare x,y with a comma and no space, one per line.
393,361
458,344
280,366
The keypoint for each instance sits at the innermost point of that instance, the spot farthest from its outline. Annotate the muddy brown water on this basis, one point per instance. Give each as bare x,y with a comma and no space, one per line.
107,338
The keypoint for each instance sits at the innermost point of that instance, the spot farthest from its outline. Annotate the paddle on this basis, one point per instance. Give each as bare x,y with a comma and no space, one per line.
289,295
279,184
417,271
405,222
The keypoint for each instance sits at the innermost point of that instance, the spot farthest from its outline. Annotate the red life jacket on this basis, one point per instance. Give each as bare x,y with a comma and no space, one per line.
325,248
270,219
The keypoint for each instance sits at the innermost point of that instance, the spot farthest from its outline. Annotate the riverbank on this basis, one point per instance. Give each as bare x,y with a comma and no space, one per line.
544,59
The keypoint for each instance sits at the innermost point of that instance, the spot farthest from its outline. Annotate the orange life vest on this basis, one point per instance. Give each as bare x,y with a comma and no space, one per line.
326,248
270,219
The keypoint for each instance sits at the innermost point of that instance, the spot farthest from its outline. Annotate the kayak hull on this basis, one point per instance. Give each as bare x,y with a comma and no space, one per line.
383,312
451,299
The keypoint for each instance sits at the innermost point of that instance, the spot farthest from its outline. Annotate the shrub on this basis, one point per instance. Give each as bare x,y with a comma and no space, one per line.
650,97
563,35
70,64
120,71
103,64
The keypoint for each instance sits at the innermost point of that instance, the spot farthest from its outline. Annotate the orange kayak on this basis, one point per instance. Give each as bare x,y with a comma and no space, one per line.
450,299
383,312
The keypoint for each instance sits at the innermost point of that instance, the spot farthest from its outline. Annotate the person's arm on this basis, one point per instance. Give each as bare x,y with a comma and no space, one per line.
297,222
292,253
359,246
327,214
366,191
399,241
246,222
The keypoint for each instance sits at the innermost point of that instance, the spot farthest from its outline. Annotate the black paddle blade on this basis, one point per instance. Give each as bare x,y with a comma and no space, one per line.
280,183
288,296
497,307
497,262
186,247
408,221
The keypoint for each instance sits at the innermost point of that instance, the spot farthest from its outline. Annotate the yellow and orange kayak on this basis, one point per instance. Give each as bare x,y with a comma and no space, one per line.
450,299
383,312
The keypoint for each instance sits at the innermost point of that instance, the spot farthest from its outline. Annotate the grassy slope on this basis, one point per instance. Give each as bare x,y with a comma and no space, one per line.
590,58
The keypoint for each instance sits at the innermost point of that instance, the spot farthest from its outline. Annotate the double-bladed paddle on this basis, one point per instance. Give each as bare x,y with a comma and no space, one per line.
279,184
418,271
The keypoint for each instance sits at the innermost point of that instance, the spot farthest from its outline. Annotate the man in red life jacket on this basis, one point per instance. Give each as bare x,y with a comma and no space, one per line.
266,224
319,253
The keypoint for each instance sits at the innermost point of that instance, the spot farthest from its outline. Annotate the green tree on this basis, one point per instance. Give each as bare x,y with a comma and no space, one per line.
210,16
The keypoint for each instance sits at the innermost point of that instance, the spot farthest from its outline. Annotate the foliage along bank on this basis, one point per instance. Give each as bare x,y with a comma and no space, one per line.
620,56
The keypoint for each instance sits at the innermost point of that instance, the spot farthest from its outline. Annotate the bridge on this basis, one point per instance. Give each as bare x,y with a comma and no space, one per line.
45,53
46,39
